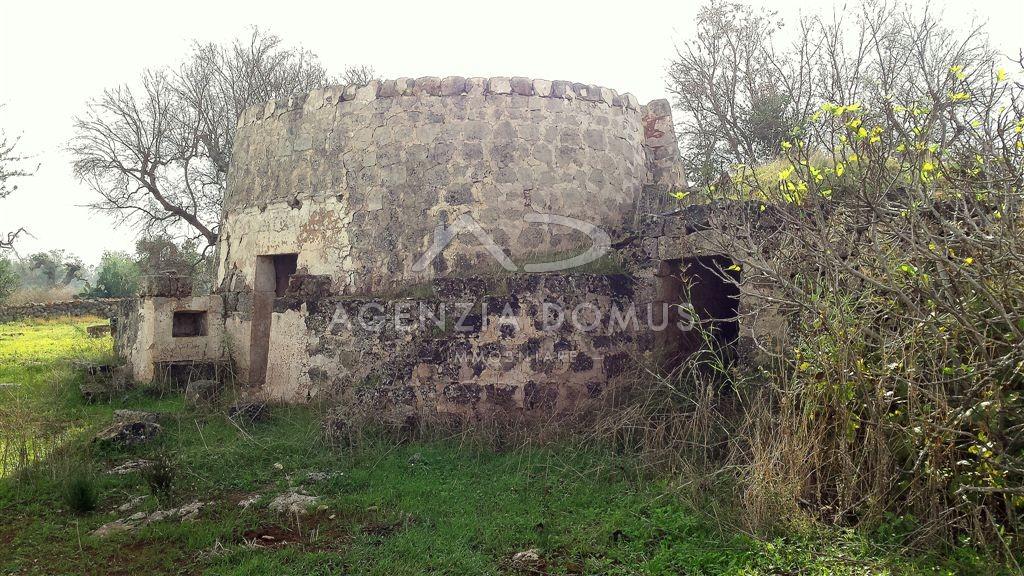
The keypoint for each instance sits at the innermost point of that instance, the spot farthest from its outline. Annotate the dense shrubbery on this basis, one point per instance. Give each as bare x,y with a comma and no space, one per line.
116,277
897,191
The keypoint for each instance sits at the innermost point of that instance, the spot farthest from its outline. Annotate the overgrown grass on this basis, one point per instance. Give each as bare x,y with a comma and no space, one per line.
443,506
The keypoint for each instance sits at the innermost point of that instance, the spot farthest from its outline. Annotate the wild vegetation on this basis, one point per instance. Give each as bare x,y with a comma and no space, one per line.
459,502
885,150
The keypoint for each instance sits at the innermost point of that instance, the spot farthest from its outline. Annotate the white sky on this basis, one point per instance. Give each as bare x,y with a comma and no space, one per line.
54,57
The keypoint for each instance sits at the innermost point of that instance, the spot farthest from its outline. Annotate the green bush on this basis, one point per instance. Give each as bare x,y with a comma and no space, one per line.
117,276
80,491
159,477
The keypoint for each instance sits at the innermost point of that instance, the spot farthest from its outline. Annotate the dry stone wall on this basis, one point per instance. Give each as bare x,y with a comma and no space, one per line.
102,307
357,179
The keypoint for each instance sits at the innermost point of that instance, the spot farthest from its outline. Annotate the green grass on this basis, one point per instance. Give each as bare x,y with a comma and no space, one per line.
443,507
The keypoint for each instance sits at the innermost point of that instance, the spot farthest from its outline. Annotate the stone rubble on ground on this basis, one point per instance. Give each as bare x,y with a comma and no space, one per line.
125,433
131,504
249,411
134,465
187,513
135,416
314,477
529,559
201,392
293,503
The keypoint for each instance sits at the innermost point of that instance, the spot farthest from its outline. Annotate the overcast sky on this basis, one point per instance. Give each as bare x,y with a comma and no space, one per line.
55,57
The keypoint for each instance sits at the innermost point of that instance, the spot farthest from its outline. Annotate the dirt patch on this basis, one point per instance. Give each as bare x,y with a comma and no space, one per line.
271,536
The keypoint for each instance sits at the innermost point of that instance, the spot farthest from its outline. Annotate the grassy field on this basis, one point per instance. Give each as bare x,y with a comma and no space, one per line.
445,507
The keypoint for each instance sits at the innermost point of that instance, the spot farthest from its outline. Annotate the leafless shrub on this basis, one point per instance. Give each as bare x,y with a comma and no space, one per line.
897,259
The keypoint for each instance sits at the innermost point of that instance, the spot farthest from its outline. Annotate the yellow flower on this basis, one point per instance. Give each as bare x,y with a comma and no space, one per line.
862,133
968,261
958,71
679,195
959,96
784,174
1001,75
855,123
840,168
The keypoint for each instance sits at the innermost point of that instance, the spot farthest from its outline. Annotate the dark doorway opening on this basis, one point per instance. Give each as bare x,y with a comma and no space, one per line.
188,323
272,274
701,298
284,266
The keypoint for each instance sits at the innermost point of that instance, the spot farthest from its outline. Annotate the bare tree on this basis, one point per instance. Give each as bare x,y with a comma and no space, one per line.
11,167
737,98
158,155
359,75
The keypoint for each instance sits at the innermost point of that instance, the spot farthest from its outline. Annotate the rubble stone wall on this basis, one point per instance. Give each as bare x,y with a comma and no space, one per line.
102,307
356,180
487,344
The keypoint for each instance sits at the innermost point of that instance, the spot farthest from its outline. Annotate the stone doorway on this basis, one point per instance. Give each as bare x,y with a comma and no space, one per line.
272,274
701,295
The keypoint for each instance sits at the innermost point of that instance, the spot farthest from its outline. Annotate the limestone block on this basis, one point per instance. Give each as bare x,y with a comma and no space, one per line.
404,86
427,86
453,86
499,85
522,86
476,86
542,88
367,93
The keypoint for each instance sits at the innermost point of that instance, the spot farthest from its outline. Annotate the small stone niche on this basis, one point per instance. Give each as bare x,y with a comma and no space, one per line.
189,324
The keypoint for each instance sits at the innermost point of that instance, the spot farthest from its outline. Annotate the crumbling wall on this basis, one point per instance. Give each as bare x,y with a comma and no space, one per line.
497,347
166,324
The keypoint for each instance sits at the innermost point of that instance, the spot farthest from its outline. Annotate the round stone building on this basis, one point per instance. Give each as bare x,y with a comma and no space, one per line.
355,193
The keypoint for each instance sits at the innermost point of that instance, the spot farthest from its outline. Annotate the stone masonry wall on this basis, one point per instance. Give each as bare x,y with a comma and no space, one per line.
498,348
356,180
102,307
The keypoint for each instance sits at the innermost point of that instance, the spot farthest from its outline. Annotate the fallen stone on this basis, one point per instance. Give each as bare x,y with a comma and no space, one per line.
314,477
130,466
102,381
125,434
293,503
110,528
201,392
187,513
135,416
249,411
131,504
527,559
